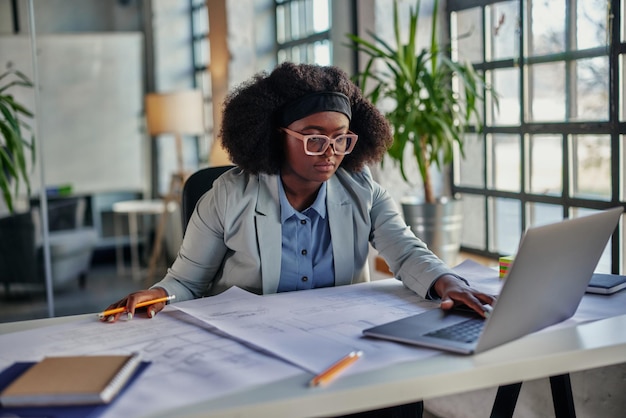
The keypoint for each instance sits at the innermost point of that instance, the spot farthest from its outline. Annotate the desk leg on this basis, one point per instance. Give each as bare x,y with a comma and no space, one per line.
505,401
562,397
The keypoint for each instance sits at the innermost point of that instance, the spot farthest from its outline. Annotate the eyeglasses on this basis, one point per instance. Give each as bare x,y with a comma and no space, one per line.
317,144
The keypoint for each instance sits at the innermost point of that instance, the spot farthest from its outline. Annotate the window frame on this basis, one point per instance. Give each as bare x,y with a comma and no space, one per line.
201,70
306,42
613,128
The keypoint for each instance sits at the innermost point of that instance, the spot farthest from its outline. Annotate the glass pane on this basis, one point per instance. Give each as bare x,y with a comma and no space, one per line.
545,174
295,54
604,265
622,168
282,55
591,23
203,82
300,19
622,226
547,27
458,87
622,87
506,225
623,16
467,36
471,168
281,27
591,166
506,85
295,24
201,52
321,15
592,89
321,53
547,92
473,233
505,161
542,214
504,30
204,148
201,20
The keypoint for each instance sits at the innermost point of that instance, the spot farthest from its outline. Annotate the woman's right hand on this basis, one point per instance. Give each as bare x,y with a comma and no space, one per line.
129,302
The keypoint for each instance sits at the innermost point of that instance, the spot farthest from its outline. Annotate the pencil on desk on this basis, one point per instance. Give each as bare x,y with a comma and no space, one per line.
139,305
330,373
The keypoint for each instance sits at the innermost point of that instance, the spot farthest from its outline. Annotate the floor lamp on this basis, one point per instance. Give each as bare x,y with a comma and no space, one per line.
177,113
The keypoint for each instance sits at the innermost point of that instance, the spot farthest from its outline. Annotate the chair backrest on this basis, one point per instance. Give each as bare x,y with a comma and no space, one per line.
195,186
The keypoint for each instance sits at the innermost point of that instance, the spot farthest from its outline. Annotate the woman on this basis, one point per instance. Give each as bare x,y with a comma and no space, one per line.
301,208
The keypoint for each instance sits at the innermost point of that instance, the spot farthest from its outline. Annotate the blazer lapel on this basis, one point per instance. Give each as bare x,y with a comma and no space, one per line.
341,231
268,232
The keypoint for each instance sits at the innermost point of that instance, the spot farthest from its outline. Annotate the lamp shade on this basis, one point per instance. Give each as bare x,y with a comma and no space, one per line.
178,112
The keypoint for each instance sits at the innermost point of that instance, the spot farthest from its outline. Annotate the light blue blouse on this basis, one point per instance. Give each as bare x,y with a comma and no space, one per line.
307,251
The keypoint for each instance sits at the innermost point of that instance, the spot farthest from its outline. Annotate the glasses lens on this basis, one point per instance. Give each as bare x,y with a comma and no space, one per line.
316,144
342,144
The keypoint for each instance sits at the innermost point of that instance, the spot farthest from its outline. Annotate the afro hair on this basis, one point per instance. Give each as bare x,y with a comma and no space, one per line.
250,132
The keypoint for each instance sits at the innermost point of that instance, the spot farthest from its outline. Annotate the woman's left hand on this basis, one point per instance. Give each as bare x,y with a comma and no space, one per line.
454,291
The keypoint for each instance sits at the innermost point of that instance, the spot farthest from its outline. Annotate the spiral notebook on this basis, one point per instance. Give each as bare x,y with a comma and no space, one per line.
71,380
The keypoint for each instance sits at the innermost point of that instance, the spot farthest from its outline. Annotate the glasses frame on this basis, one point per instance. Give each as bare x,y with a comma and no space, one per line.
329,141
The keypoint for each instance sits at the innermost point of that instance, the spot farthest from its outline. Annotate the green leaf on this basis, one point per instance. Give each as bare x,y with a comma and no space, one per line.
430,115
14,145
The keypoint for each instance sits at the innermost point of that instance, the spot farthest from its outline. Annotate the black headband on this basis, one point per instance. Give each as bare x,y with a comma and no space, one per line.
324,101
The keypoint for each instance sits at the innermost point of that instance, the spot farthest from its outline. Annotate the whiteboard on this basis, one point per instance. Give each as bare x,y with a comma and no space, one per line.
90,110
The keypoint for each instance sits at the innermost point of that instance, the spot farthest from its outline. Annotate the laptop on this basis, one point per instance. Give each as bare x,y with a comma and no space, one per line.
543,287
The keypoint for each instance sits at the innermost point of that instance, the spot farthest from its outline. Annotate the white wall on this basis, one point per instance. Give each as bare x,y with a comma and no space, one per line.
89,112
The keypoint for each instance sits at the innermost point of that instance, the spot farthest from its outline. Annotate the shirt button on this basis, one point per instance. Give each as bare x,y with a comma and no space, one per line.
303,252
304,278
303,221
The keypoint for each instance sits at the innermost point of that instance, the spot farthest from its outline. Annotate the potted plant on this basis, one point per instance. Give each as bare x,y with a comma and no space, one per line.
433,101
15,143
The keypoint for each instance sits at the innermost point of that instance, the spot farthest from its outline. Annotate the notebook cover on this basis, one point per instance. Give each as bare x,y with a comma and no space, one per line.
71,380
606,284
12,372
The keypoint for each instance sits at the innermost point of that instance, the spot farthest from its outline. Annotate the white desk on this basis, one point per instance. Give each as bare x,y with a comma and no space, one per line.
582,347
540,355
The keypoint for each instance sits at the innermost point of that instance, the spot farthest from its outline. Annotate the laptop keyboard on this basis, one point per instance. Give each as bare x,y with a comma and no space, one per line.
465,332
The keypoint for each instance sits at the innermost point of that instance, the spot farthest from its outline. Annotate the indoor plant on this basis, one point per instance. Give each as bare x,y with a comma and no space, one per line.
433,101
16,139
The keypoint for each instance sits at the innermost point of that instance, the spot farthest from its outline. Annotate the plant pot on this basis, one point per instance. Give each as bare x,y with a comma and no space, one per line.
438,225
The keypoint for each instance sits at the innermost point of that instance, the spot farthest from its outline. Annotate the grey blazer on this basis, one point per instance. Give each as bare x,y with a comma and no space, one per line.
234,237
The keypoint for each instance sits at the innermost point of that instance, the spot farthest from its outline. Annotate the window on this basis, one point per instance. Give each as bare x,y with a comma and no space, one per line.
554,146
201,62
303,31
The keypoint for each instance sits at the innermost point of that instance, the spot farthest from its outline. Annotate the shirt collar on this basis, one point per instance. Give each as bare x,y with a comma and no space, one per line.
287,211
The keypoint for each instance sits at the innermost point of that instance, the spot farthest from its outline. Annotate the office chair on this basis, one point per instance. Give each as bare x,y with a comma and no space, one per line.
195,186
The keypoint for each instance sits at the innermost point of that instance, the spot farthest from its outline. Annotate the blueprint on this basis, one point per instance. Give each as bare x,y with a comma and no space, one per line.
315,328
189,363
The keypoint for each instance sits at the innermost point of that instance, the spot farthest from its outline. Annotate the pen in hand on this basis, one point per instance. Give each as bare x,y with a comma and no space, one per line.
139,305
330,373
